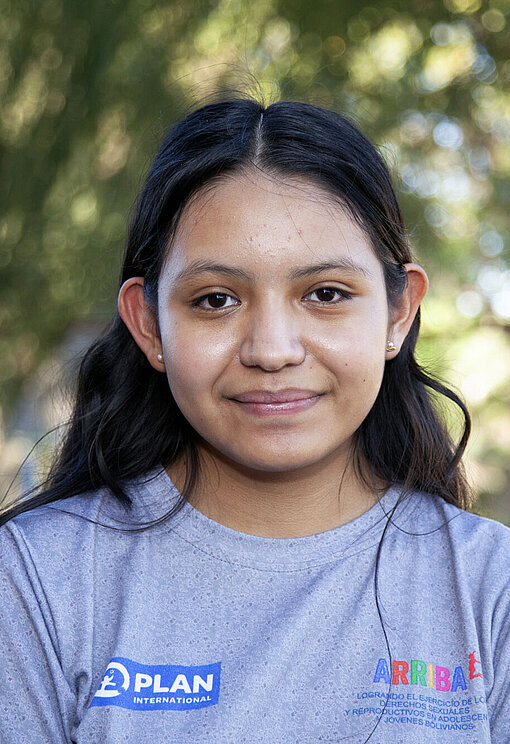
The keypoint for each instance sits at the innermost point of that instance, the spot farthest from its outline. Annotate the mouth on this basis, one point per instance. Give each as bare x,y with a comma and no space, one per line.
269,403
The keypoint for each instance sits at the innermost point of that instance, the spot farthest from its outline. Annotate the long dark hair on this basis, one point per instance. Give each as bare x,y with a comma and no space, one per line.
125,421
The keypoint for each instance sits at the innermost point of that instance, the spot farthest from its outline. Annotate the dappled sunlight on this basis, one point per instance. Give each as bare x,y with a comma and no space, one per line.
385,54
453,56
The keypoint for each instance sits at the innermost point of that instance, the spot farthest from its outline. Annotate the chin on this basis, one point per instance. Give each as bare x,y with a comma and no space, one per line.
274,462
276,455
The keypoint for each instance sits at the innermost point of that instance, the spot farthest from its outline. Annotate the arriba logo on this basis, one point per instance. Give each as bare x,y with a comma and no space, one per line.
128,684
427,674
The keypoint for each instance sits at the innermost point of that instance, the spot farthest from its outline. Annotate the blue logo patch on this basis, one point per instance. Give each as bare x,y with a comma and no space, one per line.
128,684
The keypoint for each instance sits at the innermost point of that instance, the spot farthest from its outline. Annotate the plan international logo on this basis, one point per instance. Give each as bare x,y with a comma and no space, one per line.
129,684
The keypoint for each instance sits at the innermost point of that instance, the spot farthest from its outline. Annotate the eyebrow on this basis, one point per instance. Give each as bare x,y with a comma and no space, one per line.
202,266
344,264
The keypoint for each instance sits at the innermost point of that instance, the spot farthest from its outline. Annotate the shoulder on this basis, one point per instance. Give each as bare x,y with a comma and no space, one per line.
431,515
470,549
479,537
65,526
62,527
483,549
48,552
49,534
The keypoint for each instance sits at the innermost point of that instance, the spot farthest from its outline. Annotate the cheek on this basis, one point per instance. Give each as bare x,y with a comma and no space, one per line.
356,358
194,361
360,341
358,372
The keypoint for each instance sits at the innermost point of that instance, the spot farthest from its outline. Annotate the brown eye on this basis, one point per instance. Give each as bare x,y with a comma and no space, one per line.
328,295
215,301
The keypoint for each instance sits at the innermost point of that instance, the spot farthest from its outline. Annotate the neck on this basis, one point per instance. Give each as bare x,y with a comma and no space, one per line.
282,504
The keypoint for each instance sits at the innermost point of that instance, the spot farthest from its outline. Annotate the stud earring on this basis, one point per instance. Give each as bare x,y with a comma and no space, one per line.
160,358
390,346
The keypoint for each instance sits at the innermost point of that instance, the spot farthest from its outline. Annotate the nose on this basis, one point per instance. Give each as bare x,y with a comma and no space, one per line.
272,340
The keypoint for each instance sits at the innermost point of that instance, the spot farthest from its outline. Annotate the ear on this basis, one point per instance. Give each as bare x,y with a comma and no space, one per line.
401,317
140,320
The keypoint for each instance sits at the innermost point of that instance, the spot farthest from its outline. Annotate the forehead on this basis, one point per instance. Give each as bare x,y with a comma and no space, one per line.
254,219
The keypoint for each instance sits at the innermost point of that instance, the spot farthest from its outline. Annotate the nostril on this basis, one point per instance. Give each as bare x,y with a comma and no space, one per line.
272,354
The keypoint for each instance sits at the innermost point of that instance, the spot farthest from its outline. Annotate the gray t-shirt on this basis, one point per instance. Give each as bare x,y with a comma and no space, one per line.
194,633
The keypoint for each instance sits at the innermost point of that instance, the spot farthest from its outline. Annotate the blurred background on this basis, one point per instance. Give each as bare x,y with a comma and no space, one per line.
87,90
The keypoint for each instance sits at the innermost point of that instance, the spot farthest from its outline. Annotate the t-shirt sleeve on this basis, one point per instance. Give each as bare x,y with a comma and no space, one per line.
37,703
498,700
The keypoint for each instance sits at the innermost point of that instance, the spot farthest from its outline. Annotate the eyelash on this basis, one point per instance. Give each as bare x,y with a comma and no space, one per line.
344,295
199,302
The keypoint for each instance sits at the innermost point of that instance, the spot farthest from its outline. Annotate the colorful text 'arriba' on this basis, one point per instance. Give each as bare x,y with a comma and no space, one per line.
426,674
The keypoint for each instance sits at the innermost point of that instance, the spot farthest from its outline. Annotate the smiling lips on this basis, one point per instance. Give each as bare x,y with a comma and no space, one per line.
266,403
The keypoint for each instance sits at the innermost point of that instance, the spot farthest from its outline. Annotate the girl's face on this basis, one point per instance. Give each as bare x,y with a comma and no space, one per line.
273,322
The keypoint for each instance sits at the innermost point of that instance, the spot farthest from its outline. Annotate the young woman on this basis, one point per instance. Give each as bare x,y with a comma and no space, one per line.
255,530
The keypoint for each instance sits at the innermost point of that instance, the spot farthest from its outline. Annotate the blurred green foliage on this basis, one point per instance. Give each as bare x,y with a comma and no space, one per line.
87,89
